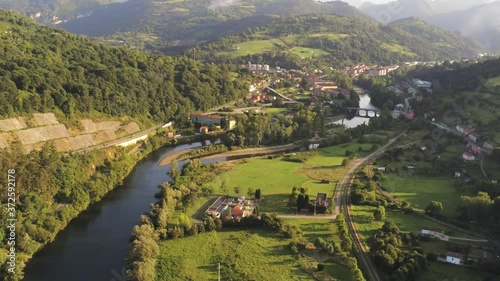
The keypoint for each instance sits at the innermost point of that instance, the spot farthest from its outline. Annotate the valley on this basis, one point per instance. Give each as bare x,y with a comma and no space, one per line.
249,140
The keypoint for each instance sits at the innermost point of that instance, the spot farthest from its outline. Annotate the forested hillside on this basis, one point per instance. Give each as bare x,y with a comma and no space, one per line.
338,39
46,70
44,10
171,26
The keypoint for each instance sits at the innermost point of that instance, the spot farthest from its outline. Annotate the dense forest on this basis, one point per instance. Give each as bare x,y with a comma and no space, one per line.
338,40
52,188
47,70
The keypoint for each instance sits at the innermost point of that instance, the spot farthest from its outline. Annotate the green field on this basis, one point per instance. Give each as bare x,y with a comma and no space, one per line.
420,191
252,47
274,110
326,229
395,48
276,177
363,219
307,52
273,176
255,254
448,272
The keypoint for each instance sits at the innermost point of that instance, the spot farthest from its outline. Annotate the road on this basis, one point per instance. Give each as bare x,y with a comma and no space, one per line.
118,141
342,195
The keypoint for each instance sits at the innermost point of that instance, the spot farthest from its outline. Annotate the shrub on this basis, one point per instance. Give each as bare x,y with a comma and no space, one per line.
321,267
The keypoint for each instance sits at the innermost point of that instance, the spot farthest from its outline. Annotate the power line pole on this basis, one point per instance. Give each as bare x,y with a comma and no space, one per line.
218,272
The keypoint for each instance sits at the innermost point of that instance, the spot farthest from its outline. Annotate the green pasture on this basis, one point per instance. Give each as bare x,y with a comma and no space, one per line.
420,191
261,254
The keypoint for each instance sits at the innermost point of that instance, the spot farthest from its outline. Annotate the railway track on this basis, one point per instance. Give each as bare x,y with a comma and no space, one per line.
344,202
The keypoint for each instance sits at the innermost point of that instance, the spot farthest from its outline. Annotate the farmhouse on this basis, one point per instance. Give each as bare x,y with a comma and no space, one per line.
489,145
468,157
453,258
207,120
222,207
465,129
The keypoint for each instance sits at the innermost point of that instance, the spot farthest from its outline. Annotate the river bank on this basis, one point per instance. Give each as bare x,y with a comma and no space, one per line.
253,151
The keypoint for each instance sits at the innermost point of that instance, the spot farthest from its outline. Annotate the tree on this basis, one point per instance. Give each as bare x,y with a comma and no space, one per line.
434,208
174,170
250,192
379,214
237,189
321,267
258,194
224,187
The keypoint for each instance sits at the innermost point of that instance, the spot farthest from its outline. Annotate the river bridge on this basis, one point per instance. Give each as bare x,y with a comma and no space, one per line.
363,112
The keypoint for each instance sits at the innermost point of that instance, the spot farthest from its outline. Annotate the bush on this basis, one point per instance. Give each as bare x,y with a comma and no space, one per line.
321,267
432,256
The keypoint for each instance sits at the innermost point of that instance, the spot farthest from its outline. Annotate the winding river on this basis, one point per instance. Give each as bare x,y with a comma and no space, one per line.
93,245
364,102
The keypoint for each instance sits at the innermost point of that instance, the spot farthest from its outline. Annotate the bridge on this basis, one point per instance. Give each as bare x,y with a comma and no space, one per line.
363,112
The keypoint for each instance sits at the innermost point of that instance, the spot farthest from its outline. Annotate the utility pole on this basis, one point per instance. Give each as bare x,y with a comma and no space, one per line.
218,272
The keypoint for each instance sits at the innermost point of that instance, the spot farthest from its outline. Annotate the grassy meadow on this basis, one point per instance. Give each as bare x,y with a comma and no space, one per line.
276,177
420,191
255,254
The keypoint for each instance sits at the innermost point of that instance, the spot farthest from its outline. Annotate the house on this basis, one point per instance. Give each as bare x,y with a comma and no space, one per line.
465,129
381,169
474,136
204,129
435,233
468,157
421,83
474,149
410,115
399,107
453,258
207,120
378,71
489,145
321,200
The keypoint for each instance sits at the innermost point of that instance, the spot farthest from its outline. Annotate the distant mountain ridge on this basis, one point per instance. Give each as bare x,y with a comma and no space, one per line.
187,23
477,20
338,40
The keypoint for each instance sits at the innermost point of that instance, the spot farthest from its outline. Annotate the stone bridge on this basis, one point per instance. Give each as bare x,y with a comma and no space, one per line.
363,112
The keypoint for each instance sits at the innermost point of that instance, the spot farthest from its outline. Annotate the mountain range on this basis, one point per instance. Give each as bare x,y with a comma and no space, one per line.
474,19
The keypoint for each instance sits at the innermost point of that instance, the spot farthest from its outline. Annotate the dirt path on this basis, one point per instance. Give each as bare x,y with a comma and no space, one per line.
172,156
252,151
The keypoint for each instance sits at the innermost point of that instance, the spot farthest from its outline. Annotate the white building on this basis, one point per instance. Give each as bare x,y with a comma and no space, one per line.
468,157
453,258
489,145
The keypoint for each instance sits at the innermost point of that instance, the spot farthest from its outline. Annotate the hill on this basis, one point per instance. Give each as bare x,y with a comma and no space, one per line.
47,70
400,9
479,23
171,26
53,11
337,39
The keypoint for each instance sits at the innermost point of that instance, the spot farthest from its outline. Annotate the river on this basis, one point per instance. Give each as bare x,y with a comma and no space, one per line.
93,246
364,102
